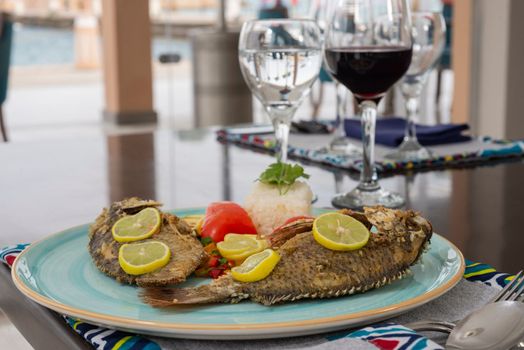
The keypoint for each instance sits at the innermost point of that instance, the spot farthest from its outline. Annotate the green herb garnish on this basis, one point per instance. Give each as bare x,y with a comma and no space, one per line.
206,241
282,175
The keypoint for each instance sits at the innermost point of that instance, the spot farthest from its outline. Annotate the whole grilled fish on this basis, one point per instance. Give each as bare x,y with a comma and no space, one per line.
186,251
309,270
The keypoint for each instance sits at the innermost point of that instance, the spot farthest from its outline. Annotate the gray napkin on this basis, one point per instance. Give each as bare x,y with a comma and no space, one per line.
456,304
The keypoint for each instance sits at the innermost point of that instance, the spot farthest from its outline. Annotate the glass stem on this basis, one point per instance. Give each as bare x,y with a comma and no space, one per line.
368,175
282,135
341,108
412,112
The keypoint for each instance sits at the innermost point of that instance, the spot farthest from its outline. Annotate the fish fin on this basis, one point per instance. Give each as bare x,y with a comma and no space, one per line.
178,225
222,290
284,233
360,216
135,204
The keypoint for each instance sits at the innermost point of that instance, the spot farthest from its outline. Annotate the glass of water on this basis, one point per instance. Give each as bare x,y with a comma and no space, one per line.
280,60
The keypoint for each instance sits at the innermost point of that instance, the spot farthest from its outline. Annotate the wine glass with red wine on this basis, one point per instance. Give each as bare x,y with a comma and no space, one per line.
368,48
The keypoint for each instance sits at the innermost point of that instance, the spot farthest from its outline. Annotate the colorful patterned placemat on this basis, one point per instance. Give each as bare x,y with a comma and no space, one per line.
312,148
382,336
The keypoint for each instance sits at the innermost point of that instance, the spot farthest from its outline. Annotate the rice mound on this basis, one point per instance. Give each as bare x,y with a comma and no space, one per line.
269,209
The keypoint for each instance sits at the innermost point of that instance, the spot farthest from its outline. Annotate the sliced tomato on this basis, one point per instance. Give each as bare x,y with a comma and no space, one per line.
226,217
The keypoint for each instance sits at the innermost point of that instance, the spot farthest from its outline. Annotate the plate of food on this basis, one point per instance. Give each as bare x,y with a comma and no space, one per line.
273,267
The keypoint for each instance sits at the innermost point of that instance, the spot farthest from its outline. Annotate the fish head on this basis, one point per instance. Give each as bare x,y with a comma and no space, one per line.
405,226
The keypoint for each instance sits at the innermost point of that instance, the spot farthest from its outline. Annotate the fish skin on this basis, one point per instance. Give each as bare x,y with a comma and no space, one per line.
309,270
186,251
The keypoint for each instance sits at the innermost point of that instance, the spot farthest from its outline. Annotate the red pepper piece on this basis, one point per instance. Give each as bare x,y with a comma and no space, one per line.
215,273
226,217
213,261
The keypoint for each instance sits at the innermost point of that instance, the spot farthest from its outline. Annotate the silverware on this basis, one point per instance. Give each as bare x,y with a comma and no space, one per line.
431,326
499,325
510,291
507,293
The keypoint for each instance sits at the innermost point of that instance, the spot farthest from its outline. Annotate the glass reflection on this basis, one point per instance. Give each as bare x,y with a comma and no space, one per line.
131,166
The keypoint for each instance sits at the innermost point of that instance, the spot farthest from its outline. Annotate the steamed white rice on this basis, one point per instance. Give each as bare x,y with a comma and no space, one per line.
269,209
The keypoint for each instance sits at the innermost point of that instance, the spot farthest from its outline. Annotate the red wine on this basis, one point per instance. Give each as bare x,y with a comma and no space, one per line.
368,71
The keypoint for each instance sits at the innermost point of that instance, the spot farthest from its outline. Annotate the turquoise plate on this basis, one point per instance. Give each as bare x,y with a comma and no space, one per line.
58,273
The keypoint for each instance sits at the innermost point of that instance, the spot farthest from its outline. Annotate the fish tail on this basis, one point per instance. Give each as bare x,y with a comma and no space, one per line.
164,297
222,290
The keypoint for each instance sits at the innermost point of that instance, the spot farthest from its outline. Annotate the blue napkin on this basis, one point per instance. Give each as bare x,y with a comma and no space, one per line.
390,132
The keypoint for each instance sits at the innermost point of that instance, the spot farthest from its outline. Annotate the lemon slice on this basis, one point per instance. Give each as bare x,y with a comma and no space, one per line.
236,244
238,247
195,221
136,227
140,258
256,267
336,231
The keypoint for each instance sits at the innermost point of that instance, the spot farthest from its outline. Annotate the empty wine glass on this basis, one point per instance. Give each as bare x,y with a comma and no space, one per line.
280,60
368,48
429,31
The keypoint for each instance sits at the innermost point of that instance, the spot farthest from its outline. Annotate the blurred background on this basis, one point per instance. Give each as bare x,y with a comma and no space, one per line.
56,80
56,83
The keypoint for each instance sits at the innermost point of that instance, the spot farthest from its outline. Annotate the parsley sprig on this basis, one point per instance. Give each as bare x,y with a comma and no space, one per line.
282,175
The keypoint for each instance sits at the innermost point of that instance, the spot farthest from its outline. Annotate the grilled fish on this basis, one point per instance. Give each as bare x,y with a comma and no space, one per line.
186,251
309,270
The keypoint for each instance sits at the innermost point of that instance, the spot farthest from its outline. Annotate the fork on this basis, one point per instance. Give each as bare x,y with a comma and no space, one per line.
510,292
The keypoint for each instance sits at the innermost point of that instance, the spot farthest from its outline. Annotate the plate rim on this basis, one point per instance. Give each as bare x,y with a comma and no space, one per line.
162,327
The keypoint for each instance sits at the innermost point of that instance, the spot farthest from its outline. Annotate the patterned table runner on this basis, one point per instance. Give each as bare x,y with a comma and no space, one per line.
312,148
383,336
